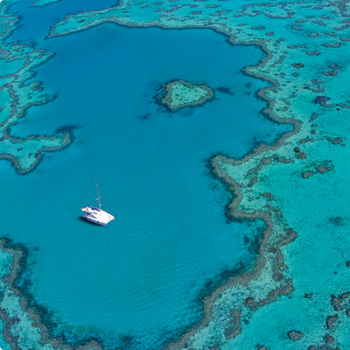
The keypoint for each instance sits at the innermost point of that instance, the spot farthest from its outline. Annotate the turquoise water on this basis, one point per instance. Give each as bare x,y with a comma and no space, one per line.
140,276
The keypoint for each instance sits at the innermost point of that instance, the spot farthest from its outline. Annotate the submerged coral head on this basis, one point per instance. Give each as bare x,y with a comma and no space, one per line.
181,94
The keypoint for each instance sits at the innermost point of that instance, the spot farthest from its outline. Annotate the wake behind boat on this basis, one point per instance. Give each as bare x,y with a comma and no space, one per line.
97,215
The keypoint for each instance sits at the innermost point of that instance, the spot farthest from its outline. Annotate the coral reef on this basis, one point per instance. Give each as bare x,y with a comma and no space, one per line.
181,94
17,63
292,185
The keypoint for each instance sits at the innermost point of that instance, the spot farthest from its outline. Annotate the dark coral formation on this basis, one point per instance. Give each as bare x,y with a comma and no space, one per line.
307,174
295,335
322,100
225,90
298,65
335,140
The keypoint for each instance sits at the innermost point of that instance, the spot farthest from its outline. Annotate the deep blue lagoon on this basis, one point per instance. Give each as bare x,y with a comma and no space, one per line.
142,275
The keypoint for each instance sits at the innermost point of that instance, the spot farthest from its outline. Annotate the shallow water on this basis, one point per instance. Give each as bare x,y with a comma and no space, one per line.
141,275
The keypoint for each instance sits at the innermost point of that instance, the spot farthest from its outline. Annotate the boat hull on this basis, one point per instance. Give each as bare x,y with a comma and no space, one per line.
97,216
87,218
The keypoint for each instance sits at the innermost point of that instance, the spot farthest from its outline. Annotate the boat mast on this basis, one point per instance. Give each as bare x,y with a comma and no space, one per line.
99,203
100,196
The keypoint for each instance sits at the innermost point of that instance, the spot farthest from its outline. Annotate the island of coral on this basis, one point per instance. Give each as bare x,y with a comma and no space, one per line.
181,94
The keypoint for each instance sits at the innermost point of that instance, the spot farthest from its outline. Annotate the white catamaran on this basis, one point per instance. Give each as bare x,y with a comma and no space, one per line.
97,215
